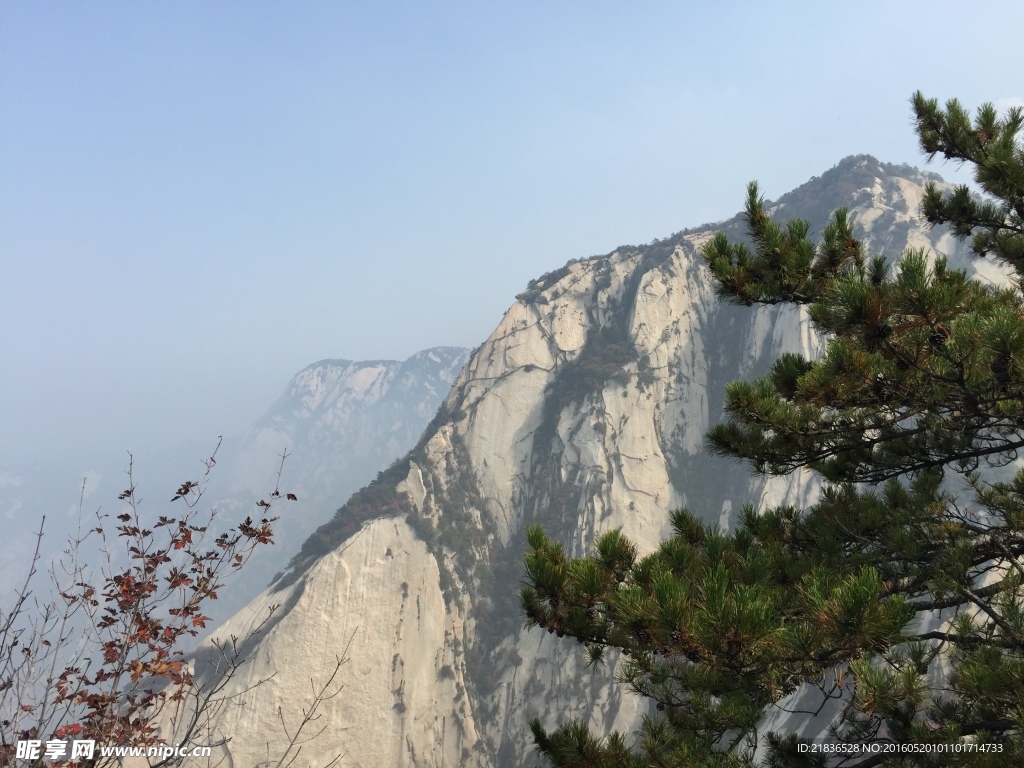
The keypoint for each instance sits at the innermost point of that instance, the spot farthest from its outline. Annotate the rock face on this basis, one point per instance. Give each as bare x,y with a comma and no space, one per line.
584,411
342,422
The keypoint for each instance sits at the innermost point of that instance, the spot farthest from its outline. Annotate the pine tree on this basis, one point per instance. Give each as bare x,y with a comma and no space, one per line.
900,594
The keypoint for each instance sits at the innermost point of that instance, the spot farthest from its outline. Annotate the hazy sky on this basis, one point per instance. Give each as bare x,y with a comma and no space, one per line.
199,199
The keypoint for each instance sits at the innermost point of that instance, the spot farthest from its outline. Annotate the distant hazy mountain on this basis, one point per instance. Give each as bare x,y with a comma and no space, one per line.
341,421
585,411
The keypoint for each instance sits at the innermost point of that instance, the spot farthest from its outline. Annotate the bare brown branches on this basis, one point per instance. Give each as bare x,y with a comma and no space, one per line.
103,659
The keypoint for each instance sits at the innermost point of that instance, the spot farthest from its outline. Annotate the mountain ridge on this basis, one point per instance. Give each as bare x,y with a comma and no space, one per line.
584,410
342,422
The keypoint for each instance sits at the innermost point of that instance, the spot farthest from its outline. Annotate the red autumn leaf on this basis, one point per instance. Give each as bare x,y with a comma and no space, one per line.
68,730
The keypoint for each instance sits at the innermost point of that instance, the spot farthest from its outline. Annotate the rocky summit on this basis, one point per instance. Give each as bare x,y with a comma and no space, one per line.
584,411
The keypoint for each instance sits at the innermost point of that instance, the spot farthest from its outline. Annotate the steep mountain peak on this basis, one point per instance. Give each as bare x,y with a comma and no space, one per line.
585,411
877,194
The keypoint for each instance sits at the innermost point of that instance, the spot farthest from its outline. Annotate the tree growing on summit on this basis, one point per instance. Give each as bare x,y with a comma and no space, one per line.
900,594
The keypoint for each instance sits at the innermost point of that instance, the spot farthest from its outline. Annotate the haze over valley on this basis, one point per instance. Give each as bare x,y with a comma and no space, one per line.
449,258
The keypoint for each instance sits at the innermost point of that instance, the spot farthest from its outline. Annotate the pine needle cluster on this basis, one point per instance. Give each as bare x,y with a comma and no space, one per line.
899,596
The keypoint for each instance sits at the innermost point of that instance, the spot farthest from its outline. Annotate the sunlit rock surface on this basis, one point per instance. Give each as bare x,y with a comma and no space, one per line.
341,422
584,411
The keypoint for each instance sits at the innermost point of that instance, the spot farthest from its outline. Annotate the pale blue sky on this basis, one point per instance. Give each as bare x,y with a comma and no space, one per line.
199,199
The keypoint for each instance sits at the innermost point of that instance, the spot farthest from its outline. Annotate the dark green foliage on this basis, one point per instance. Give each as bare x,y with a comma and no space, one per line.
785,264
992,145
378,499
535,288
548,279
900,594
715,628
920,373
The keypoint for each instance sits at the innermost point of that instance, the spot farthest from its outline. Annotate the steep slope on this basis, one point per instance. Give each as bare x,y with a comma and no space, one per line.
342,422
584,411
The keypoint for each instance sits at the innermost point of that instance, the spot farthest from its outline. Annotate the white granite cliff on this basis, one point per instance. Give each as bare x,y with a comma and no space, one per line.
342,422
584,411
